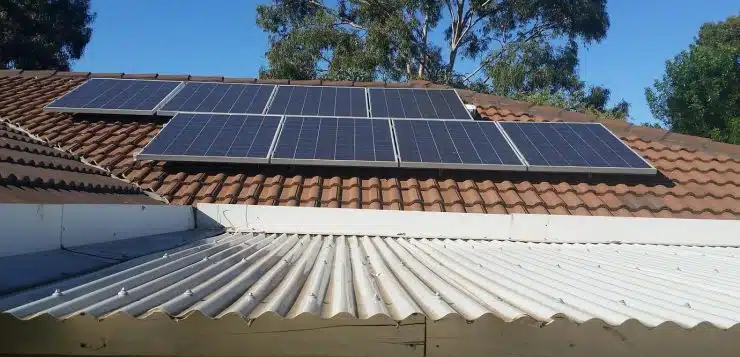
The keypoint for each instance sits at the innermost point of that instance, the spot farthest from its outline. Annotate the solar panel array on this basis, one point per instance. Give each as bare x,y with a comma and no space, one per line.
335,141
408,103
214,138
346,126
320,101
573,147
118,96
454,144
222,98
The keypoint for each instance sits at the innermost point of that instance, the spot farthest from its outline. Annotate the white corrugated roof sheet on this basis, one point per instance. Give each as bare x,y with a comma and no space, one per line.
251,274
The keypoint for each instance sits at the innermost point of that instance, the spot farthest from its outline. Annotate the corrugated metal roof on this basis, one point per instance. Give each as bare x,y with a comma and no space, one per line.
250,274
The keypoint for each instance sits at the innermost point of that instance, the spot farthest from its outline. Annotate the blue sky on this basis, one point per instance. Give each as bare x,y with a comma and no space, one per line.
220,37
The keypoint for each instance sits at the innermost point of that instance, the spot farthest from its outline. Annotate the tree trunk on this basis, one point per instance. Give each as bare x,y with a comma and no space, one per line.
451,63
423,59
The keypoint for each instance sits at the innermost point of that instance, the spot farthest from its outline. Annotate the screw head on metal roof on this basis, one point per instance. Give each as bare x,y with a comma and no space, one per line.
377,297
205,258
165,255
678,268
188,292
558,265
57,293
623,302
560,300
687,304
122,292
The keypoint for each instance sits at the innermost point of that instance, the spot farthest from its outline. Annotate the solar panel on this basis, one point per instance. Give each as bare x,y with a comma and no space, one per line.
454,144
319,101
335,142
574,147
414,103
221,98
214,138
115,96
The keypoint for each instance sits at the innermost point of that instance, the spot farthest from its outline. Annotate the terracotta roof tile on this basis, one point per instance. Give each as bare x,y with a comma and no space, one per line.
310,191
31,169
699,178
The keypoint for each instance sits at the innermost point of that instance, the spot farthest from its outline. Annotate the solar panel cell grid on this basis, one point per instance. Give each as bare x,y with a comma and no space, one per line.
335,141
224,98
454,144
214,137
574,147
319,101
401,103
99,95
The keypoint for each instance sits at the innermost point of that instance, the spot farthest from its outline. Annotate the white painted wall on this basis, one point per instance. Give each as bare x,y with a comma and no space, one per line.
29,228
88,224
520,227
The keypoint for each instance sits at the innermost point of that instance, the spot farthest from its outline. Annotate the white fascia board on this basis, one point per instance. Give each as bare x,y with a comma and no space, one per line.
344,221
516,227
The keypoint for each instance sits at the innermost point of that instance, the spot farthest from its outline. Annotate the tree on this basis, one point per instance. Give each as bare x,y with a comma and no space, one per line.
390,39
700,91
594,102
43,34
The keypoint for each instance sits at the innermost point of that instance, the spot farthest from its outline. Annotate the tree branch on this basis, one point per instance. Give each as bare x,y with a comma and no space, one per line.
343,20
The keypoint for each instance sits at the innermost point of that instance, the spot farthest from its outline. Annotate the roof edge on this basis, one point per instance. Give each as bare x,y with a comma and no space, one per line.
536,228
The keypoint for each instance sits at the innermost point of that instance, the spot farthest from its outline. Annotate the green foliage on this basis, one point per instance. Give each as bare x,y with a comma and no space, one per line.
43,34
389,39
700,91
594,103
535,66
651,125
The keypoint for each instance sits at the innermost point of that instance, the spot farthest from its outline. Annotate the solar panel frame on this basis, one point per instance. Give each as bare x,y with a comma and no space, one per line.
459,166
649,170
69,109
469,116
323,162
162,112
140,155
277,89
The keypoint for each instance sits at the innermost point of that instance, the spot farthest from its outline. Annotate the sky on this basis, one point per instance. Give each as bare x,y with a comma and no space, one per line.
221,37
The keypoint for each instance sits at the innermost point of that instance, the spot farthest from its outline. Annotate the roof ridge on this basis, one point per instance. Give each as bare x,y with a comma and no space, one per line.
415,83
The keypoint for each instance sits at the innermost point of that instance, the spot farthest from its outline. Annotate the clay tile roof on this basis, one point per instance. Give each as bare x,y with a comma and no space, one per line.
32,171
699,178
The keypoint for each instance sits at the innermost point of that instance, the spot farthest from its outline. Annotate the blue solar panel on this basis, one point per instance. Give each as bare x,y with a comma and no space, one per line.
319,101
117,96
405,103
221,98
214,138
574,147
454,144
335,142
